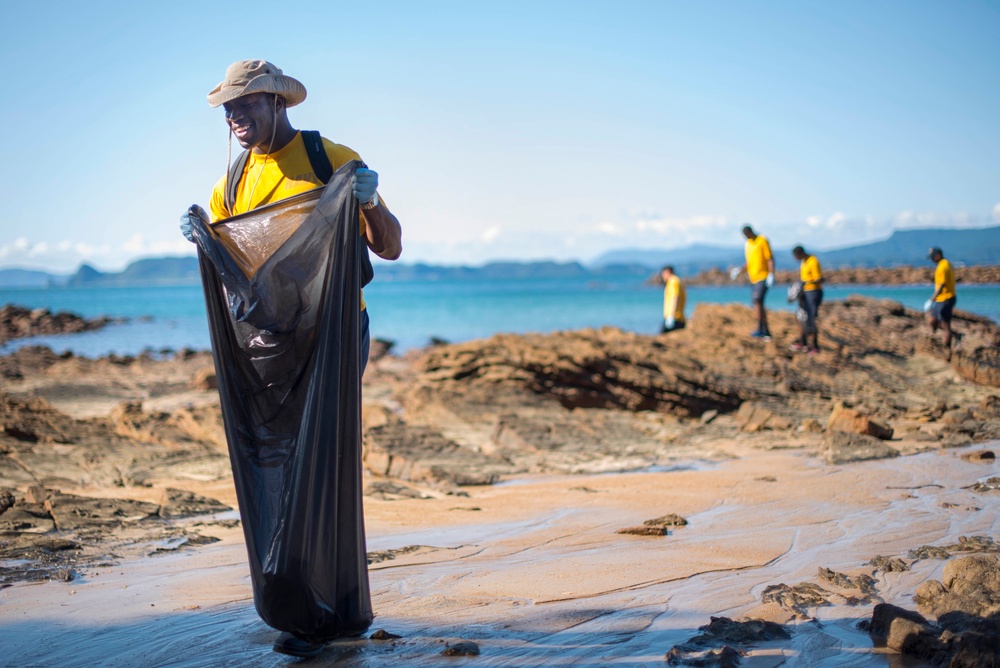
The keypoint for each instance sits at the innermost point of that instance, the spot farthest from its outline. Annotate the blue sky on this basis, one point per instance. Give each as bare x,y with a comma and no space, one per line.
514,130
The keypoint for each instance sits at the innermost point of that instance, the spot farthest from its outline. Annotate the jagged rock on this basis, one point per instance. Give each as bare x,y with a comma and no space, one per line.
18,321
72,512
981,365
983,456
605,368
988,408
988,485
969,585
205,379
388,490
34,420
905,631
671,520
798,598
382,634
396,450
811,426
851,421
6,500
753,417
723,641
889,564
842,448
462,648
644,531
863,583
182,503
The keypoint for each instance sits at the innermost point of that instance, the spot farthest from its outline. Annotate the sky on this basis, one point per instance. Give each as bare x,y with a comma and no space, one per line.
513,130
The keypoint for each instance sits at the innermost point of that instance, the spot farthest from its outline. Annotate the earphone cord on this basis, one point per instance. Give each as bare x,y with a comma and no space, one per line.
274,129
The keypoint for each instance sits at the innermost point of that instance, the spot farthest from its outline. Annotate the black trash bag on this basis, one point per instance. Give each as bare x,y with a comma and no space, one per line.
282,285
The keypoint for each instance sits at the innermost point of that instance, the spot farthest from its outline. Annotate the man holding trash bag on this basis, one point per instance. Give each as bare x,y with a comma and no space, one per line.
282,271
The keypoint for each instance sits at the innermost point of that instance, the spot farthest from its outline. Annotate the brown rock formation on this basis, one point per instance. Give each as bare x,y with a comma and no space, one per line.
605,399
19,322
852,421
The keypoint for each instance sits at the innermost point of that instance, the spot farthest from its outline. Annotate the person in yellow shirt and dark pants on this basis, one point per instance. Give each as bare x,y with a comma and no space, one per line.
811,276
760,272
941,305
674,296
280,162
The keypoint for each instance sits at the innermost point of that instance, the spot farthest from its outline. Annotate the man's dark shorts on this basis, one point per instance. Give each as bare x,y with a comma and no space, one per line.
809,301
757,291
943,310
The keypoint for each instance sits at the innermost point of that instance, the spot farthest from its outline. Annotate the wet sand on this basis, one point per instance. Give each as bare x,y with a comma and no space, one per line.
534,572
792,472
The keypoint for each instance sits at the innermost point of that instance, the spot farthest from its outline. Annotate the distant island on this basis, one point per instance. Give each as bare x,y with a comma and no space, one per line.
904,248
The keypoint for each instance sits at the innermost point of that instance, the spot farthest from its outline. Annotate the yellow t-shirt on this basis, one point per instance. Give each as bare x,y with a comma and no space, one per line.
281,174
809,273
757,252
274,177
674,288
943,275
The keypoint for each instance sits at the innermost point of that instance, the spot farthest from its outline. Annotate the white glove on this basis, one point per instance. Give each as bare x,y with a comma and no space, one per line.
669,322
928,304
769,281
733,273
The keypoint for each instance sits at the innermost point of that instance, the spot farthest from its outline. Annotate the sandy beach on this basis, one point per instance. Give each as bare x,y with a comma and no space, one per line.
587,498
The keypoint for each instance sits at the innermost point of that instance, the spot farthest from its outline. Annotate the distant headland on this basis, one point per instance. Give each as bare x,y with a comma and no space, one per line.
900,259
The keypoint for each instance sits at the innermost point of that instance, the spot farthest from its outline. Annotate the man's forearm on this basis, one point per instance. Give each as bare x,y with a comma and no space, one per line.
383,233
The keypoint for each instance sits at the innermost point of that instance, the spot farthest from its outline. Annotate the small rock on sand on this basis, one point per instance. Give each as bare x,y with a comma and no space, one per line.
181,503
842,448
382,634
463,648
984,456
671,520
644,531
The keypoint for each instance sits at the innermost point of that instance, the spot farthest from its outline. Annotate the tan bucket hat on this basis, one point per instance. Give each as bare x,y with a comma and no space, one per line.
256,76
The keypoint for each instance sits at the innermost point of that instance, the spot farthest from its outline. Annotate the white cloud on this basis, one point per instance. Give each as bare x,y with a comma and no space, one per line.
996,213
692,225
21,244
490,234
134,244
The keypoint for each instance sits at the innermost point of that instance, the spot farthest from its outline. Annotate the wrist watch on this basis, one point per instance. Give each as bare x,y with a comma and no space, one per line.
367,206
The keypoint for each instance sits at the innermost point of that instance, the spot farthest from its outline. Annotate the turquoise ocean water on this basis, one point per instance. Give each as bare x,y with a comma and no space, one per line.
411,312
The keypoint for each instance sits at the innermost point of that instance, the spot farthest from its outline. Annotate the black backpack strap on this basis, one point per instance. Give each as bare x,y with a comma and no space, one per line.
233,179
320,162
318,158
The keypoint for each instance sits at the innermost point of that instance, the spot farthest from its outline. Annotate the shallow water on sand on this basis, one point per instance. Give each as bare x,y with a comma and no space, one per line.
557,587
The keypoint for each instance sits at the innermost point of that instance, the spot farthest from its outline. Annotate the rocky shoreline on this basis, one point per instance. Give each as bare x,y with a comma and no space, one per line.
978,275
115,458
20,322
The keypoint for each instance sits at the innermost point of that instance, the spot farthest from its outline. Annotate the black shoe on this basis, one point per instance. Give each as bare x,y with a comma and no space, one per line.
292,645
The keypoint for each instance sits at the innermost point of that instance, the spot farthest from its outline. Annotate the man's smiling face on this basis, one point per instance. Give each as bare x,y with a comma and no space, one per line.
252,118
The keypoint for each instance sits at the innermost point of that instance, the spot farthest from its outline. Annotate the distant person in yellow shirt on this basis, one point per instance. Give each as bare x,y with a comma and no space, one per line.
760,271
674,296
941,305
811,277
